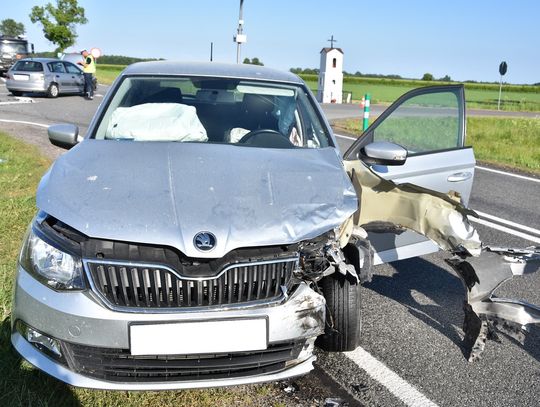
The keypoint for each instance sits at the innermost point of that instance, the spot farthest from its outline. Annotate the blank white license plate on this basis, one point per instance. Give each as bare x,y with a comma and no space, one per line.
21,77
235,335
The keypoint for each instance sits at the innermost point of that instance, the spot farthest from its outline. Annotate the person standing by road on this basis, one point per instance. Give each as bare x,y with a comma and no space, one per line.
89,69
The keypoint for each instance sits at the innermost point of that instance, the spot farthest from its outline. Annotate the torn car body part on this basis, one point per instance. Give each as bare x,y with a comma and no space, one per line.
485,313
443,219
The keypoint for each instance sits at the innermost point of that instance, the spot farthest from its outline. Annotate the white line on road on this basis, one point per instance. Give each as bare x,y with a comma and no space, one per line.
509,223
23,122
505,229
404,391
508,174
345,137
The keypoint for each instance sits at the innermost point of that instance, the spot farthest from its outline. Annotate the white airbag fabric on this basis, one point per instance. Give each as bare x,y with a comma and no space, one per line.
156,122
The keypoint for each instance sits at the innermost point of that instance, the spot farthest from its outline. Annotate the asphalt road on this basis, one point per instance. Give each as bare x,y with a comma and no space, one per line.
412,310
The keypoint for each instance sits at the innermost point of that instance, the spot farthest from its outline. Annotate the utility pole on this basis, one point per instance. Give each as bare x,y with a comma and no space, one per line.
240,38
211,51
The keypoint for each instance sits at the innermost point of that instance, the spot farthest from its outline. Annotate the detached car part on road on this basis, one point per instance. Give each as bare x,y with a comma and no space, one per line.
207,232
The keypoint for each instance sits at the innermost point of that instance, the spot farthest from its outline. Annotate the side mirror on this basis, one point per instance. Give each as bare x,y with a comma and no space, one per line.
63,135
383,153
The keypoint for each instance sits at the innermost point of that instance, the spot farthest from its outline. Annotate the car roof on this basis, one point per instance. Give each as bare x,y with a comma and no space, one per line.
211,69
40,59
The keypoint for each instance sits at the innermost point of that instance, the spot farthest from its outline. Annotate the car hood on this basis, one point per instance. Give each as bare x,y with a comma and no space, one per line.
166,193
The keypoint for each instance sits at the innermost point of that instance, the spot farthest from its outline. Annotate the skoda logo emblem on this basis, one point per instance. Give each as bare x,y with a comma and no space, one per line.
204,241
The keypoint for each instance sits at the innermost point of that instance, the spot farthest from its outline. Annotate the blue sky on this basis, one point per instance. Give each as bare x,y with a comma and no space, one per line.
463,39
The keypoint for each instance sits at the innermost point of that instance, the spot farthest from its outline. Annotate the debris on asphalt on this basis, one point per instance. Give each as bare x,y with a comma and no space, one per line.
290,387
335,402
359,388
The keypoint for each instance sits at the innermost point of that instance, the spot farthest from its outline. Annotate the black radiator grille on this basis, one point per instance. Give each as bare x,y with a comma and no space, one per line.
145,286
120,366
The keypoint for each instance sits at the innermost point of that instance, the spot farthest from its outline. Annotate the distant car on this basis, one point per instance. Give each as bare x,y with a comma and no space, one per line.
45,75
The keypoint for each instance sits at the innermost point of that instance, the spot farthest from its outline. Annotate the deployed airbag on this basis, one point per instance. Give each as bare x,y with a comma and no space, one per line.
156,122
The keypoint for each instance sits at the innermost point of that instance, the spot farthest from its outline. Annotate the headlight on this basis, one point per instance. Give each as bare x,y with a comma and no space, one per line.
53,267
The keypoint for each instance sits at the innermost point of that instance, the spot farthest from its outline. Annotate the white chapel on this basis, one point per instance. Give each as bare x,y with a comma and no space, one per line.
330,76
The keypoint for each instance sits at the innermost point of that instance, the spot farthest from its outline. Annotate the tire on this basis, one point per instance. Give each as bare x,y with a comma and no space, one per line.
343,310
16,93
53,91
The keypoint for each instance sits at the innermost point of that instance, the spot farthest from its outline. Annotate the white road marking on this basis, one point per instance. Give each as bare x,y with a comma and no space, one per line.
404,391
505,229
344,137
508,174
24,122
18,100
509,223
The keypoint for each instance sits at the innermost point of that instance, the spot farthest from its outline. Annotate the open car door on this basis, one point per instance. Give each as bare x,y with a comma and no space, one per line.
413,177
430,124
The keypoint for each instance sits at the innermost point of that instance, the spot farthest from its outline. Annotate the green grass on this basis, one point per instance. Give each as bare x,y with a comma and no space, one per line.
106,74
22,385
509,142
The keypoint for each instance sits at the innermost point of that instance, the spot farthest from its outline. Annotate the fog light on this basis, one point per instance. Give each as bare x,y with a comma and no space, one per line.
38,339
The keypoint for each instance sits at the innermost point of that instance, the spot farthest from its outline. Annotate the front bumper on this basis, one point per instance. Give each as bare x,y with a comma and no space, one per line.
79,318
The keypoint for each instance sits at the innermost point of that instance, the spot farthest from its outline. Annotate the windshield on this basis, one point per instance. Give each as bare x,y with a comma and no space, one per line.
13,47
213,110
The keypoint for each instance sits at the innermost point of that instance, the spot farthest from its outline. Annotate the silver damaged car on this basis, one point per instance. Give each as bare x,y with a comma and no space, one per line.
207,231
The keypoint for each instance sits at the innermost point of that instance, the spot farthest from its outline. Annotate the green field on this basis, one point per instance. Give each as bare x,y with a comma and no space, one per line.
385,91
510,142
20,384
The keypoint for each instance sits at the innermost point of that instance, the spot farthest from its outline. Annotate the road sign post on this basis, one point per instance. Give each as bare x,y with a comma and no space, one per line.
503,67
365,122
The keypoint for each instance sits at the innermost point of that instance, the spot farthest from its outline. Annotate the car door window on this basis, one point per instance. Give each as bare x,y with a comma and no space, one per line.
422,124
72,68
56,67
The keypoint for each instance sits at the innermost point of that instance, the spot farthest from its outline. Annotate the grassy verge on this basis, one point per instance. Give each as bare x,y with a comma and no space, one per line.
510,142
21,167
106,74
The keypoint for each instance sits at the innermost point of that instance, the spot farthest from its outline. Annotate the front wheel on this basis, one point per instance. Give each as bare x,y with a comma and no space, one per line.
343,317
52,92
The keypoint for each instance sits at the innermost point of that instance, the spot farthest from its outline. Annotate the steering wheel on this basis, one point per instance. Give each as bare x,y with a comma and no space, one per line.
257,132
266,138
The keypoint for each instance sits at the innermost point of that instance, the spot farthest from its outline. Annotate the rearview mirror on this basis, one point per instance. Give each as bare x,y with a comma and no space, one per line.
63,135
383,153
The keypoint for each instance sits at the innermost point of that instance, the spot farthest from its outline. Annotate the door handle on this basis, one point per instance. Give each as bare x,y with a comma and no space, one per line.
459,176
58,76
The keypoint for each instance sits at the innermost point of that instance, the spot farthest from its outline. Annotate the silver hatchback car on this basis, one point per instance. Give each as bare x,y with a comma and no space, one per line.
207,230
45,75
